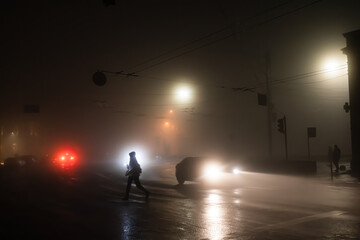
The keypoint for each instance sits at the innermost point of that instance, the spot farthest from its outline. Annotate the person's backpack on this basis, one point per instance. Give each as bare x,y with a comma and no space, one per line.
138,168
134,170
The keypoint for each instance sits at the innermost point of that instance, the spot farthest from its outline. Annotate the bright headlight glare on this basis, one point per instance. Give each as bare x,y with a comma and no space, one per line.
212,171
236,171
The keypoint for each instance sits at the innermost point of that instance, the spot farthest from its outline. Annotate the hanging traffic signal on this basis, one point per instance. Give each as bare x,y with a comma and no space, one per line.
281,125
99,78
262,99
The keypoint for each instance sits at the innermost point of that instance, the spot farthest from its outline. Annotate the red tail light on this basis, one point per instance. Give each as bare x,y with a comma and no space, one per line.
66,159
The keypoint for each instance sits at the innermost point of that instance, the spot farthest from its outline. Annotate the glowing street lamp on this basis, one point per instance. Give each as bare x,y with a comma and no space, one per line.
332,65
183,94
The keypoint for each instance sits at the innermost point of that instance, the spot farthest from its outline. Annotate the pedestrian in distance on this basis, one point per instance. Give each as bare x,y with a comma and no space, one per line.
330,159
133,173
336,157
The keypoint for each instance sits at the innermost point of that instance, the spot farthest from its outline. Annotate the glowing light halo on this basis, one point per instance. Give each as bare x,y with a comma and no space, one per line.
183,93
141,155
236,171
212,171
332,65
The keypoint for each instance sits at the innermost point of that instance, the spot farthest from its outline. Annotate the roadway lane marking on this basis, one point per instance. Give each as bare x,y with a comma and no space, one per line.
300,220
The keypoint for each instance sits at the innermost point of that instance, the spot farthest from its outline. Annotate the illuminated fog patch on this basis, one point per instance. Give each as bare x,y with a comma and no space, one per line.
212,171
141,155
183,93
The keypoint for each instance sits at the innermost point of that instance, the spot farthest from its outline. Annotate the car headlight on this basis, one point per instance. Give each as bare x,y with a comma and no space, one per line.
212,171
236,170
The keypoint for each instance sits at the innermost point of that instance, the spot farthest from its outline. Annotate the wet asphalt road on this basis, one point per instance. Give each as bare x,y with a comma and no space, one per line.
45,203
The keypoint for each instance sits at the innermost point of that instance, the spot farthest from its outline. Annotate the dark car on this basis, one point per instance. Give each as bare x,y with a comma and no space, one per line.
196,169
11,163
20,161
27,160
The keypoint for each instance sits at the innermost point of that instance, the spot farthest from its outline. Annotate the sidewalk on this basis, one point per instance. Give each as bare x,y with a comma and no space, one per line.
343,177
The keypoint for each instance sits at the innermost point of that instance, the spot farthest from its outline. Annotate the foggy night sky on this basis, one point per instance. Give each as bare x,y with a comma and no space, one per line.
50,51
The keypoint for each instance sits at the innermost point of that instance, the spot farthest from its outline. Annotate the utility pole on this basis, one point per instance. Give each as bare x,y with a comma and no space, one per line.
269,104
286,146
1,134
282,129
352,51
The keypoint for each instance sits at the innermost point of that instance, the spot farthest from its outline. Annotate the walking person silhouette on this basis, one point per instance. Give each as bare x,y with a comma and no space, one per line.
336,157
133,173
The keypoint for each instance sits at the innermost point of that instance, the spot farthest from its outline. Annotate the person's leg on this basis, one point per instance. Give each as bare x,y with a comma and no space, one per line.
337,165
128,186
334,162
139,186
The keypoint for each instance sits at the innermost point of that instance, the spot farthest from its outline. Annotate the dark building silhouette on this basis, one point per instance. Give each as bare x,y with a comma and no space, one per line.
352,51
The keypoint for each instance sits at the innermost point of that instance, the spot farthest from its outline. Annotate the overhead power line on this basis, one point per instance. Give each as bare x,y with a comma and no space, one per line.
225,37
308,74
178,48
315,82
235,89
252,88
229,26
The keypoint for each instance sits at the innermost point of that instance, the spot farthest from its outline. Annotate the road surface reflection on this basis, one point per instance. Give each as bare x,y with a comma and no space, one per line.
214,216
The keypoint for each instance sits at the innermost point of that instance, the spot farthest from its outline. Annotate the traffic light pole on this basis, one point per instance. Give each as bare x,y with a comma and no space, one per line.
308,148
269,104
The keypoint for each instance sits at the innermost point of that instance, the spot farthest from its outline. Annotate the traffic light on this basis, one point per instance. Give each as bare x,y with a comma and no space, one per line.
99,78
281,125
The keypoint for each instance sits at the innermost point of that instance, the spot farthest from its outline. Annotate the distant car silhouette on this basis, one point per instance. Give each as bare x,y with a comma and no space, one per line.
201,168
20,161
11,163
196,169
27,160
